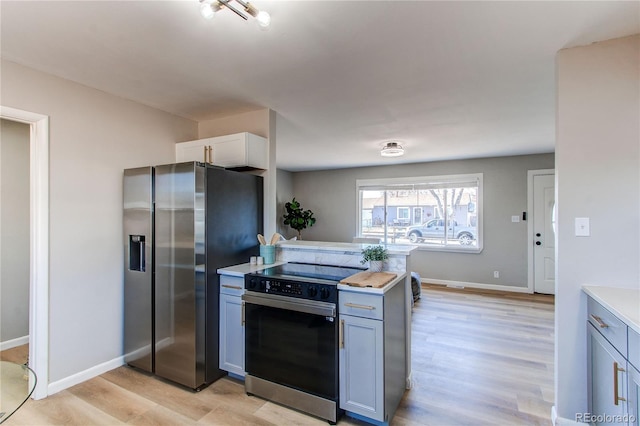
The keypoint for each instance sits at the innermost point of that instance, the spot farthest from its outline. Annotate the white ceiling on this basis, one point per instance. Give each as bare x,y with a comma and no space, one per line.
450,80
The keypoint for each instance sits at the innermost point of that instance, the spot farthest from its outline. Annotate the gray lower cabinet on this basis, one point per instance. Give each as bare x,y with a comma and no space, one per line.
608,379
613,351
232,325
372,353
634,396
362,366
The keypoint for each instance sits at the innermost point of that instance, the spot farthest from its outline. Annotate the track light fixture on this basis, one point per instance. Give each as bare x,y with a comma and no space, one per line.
208,9
392,149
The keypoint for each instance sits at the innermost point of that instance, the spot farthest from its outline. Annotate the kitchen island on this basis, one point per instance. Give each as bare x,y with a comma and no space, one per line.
372,327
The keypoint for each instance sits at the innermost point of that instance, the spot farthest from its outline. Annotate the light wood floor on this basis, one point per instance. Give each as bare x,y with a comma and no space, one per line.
479,358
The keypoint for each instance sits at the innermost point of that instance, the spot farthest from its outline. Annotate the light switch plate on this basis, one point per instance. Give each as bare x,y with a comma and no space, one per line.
582,227
515,219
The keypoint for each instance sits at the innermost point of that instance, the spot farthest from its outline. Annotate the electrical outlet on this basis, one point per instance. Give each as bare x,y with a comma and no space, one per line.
496,274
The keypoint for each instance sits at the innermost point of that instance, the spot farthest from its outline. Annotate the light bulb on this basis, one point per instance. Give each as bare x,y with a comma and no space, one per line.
207,11
392,149
263,18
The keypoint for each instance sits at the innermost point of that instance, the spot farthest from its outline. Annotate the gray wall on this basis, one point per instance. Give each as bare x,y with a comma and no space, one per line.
14,230
331,195
284,193
598,163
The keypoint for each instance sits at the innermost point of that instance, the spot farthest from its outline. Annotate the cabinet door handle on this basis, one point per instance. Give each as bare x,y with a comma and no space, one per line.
341,332
205,154
235,287
210,154
616,397
601,323
242,315
355,305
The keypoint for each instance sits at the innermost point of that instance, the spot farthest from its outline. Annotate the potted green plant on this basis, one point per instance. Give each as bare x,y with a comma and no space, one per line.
375,255
298,218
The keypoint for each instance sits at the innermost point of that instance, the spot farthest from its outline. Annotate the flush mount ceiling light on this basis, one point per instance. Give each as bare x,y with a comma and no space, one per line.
392,149
209,8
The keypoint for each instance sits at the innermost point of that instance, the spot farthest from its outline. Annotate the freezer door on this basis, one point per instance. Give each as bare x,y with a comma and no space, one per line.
180,273
138,267
234,218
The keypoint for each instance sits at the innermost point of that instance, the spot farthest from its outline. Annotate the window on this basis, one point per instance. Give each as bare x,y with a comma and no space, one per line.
434,212
402,216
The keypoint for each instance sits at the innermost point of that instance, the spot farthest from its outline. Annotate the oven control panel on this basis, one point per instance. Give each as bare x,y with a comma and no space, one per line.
298,289
283,287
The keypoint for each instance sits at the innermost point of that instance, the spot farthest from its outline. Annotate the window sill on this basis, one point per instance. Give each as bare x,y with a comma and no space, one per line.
475,250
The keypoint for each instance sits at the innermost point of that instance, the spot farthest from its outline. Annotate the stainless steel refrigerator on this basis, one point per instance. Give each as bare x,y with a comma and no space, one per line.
181,223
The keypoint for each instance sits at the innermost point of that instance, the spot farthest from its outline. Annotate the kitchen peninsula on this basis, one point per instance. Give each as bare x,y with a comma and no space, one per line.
367,328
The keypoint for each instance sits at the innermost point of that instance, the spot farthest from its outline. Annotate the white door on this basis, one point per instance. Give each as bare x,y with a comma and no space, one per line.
544,249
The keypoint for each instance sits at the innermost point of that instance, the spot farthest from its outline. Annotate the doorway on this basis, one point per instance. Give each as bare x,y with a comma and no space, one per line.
14,239
542,231
38,242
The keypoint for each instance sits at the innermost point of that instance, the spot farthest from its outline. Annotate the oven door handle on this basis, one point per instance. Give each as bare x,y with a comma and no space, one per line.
291,303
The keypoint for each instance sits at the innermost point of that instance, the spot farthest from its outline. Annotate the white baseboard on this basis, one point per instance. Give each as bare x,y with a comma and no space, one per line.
83,376
462,284
561,421
13,343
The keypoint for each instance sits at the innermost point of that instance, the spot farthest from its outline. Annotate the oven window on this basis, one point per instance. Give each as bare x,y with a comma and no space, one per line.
293,349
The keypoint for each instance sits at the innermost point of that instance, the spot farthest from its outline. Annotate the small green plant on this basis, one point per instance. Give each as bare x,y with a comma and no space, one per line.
374,253
298,218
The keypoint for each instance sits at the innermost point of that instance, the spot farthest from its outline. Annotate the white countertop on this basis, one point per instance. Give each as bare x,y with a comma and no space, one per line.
622,302
245,268
371,290
402,249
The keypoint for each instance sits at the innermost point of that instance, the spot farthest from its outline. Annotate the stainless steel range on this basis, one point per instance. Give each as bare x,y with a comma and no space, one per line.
292,336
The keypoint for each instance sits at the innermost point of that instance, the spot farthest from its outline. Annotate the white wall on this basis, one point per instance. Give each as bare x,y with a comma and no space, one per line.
93,137
14,230
597,163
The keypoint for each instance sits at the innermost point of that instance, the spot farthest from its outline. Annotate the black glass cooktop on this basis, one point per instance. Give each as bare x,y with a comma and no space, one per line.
301,271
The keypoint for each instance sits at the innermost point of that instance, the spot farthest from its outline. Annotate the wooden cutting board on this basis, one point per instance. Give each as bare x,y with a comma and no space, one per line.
369,279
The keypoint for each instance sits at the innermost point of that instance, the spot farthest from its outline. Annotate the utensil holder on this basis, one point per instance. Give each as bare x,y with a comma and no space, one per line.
268,252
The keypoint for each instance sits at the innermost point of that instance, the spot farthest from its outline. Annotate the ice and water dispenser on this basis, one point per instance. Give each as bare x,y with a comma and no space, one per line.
137,253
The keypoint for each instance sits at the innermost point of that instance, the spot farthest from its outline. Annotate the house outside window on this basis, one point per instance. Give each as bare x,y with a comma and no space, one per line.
433,212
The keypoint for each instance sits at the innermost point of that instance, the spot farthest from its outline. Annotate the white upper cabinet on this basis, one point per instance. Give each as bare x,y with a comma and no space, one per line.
240,150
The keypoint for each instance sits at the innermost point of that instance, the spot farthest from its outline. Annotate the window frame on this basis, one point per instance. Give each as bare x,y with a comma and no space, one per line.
392,184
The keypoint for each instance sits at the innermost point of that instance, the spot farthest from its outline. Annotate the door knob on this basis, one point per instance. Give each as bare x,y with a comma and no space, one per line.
537,234
538,243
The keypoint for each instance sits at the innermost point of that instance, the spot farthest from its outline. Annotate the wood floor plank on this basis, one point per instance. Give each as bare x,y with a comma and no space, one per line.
161,416
230,393
63,408
18,355
479,357
226,415
169,395
112,399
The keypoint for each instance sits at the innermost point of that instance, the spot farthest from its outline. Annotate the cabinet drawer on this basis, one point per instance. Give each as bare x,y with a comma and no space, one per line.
361,305
634,348
613,329
231,285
